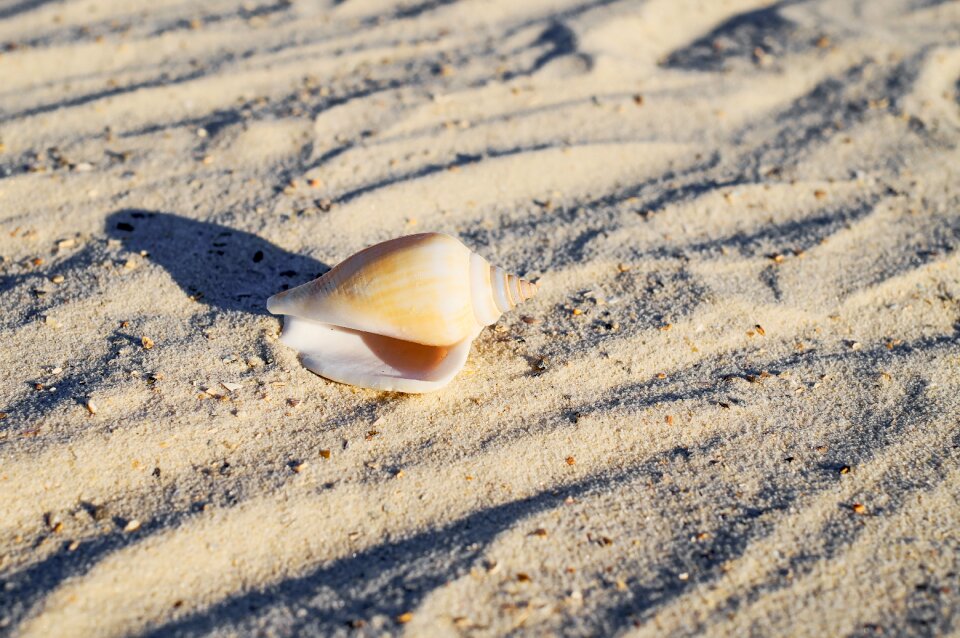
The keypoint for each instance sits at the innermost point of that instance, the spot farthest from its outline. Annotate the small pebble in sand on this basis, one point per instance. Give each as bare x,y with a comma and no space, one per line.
51,520
147,343
859,508
524,578
404,618
298,466
820,194
325,454
669,419
540,532
638,99
760,330
91,406
131,526
73,546
57,279
315,183
571,460
529,320
844,469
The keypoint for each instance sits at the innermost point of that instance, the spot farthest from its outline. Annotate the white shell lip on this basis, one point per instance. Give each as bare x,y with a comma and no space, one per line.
373,361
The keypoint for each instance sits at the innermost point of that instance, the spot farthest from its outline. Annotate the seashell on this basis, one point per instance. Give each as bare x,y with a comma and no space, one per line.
399,315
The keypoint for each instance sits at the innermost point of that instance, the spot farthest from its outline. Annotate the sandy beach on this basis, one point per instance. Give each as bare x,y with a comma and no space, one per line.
733,409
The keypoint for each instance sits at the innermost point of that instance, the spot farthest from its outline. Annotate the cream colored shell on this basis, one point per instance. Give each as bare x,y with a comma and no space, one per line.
399,315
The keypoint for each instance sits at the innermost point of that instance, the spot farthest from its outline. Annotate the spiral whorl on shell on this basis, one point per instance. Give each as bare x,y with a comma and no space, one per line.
508,289
399,315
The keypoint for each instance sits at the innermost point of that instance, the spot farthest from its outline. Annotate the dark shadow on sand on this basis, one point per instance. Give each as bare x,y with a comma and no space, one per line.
216,265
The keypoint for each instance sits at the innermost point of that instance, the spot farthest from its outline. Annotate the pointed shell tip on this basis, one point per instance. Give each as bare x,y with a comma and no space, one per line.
273,304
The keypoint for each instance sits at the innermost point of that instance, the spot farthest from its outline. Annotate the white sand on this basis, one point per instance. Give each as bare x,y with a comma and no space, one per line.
679,171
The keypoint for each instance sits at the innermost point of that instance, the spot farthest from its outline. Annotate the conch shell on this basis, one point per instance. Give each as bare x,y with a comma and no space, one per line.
400,315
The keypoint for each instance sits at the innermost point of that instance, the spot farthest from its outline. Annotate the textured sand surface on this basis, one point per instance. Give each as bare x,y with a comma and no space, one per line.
735,411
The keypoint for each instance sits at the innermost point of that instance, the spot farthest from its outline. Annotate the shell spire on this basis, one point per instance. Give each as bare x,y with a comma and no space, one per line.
509,289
